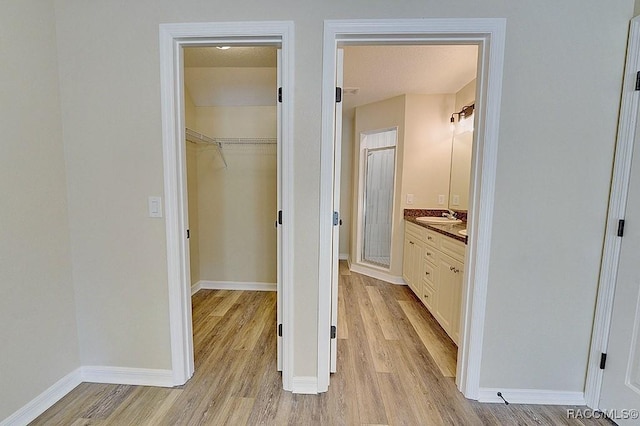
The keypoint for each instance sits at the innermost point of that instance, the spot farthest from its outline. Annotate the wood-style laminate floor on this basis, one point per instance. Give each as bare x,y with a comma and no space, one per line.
395,367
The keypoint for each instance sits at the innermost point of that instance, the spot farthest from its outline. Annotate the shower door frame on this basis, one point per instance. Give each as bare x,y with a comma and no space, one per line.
362,187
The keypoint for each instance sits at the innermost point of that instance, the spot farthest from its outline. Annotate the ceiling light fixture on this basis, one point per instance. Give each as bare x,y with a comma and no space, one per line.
223,47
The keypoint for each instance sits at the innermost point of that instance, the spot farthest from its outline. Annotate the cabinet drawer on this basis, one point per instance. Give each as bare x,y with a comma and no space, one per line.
430,274
427,297
432,238
431,255
454,248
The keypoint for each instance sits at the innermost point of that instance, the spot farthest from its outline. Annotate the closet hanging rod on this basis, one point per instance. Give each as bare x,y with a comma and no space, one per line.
247,141
199,138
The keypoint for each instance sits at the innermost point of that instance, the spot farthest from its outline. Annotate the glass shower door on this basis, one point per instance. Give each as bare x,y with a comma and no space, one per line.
378,205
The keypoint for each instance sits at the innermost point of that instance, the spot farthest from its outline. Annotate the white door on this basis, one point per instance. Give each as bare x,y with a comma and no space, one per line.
337,155
278,214
621,377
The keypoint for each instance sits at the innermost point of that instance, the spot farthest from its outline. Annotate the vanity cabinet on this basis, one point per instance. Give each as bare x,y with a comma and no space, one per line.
412,261
433,267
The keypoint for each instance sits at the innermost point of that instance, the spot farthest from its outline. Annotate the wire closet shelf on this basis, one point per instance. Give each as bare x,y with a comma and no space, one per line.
199,138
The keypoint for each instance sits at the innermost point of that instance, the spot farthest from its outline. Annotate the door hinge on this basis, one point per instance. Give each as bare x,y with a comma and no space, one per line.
188,234
280,94
603,360
336,218
279,330
620,227
338,94
334,331
638,80
279,217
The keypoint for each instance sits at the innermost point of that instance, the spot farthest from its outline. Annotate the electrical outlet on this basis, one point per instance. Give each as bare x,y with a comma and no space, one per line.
441,199
409,198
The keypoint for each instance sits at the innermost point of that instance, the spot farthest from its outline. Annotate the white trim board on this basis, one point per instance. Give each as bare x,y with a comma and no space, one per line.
172,38
489,35
305,385
617,207
531,396
45,400
127,376
91,374
377,274
232,285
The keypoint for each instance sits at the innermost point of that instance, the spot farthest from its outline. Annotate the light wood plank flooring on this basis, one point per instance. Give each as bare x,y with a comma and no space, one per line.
396,367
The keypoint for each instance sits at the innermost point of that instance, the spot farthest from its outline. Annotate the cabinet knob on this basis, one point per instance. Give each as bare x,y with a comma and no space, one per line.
410,242
451,268
427,273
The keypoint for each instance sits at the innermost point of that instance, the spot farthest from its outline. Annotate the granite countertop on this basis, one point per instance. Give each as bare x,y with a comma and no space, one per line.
450,231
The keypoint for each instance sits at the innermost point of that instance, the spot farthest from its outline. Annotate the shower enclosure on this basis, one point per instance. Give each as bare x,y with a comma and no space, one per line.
378,182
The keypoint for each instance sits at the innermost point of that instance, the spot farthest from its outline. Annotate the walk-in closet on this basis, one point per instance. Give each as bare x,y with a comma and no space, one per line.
231,157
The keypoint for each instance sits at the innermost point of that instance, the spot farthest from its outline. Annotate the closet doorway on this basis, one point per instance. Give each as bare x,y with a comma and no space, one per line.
231,116
227,133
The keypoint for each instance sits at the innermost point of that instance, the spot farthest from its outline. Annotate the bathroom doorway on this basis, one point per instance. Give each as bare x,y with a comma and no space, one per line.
488,36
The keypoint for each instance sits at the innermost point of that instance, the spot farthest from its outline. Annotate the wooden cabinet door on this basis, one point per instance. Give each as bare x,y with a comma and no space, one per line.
447,304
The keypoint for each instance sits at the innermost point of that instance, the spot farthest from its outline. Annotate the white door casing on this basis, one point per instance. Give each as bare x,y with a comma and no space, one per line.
489,35
173,37
337,147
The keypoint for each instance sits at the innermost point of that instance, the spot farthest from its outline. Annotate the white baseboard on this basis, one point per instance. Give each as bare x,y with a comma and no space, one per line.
128,376
343,256
45,400
532,396
232,285
377,274
305,385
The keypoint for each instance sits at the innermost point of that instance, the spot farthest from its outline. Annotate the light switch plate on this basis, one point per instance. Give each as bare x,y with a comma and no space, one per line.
155,206
441,199
455,200
409,198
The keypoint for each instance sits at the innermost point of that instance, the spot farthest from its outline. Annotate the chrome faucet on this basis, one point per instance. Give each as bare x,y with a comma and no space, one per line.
450,215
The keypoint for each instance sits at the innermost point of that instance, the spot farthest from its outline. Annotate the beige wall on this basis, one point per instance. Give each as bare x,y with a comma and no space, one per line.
380,115
466,95
237,205
346,181
427,151
110,87
37,310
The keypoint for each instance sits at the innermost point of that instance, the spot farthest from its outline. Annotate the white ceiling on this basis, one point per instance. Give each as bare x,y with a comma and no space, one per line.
243,76
381,72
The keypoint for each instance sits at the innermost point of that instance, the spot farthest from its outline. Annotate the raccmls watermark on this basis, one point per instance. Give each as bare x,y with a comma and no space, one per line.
614,414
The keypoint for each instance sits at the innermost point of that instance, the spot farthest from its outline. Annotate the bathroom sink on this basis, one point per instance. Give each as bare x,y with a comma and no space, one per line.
463,232
436,220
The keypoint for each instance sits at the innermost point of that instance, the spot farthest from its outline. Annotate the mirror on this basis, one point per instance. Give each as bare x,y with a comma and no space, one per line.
460,172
